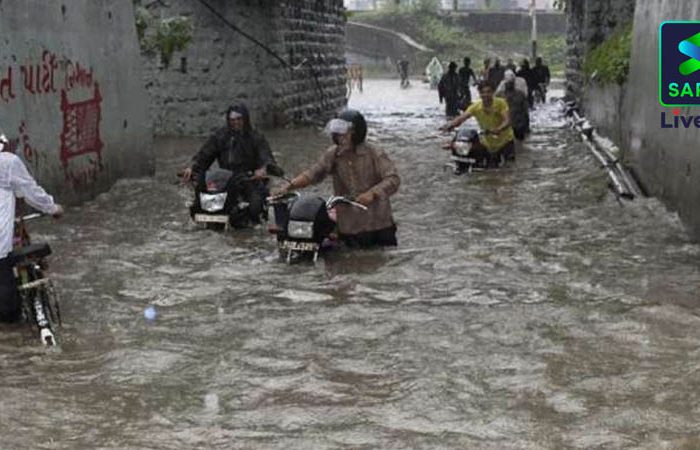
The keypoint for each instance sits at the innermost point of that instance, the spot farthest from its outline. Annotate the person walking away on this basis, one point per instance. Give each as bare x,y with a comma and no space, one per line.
15,181
519,111
542,77
403,72
466,75
434,72
242,150
484,72
528,75
520,84
496,74
360,171
449,89
494,119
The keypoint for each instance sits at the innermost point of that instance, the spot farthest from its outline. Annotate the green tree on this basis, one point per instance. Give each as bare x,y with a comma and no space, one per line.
162,36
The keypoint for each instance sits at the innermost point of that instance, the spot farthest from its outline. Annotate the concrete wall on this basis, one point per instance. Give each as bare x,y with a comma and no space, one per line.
603,106
222,66
72,100
668,160
370,45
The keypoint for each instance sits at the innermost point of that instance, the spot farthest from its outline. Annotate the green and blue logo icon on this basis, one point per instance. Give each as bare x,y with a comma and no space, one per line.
690,47
679,63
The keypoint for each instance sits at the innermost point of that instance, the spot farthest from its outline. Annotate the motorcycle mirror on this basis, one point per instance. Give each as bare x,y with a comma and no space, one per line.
335,200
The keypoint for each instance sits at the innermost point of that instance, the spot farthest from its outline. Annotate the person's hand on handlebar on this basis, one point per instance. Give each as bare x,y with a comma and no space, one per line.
59,212
366,198
186,175
446,127
298,182
260,173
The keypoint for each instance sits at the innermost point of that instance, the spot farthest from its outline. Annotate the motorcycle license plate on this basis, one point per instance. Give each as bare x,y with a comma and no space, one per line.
299,246
464,159
207,218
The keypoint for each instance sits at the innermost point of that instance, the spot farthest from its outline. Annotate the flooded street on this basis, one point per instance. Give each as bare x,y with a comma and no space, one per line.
524,308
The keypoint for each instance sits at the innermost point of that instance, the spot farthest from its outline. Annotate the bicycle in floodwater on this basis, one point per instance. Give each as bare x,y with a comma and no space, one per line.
38,295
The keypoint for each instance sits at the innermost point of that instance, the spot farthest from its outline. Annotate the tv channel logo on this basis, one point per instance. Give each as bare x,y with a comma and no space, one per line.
679,63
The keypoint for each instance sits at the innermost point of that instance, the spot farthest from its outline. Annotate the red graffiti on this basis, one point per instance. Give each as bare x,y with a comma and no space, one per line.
80,142
6,92
85,175
81,136
40,78
77,76
30,154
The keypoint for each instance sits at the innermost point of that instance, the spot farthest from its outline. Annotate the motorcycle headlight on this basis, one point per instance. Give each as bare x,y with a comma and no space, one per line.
462,148
212,202
302,230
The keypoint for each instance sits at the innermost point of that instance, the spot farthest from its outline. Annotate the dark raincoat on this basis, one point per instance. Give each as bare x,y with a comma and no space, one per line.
237,151
449,88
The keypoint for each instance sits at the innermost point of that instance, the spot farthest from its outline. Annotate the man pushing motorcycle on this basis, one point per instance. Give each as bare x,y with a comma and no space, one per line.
362,172
241,149
491,113
15,180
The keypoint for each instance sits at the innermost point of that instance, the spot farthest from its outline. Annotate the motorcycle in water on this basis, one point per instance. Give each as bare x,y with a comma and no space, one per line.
468,155
36,290
219,200
304,224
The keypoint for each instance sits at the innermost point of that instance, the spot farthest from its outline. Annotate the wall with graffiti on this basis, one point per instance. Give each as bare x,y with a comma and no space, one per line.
72,100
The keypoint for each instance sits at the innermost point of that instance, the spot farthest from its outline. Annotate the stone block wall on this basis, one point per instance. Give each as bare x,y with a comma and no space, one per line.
297,73
313,37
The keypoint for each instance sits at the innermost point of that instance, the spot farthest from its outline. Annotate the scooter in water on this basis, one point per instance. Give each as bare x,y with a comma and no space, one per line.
36,290
219,201
304,224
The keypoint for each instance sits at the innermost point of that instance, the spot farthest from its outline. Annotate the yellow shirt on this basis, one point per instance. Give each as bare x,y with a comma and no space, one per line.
489,119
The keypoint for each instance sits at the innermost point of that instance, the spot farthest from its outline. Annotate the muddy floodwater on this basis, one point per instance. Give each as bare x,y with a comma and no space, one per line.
524,308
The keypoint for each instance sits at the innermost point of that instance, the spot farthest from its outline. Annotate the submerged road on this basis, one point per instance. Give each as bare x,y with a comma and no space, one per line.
523,309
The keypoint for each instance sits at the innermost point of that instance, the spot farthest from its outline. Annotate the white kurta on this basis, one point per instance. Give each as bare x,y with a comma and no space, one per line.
15,180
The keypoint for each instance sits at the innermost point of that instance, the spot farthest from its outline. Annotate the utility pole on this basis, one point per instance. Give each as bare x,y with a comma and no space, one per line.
533,36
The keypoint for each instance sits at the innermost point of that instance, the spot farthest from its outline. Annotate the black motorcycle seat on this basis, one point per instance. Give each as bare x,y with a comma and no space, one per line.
39,250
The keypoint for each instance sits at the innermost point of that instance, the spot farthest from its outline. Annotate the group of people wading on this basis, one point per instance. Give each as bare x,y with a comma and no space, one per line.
507,93
454,85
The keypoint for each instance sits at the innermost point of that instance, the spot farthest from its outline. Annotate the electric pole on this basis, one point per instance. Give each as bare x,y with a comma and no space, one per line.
533,36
